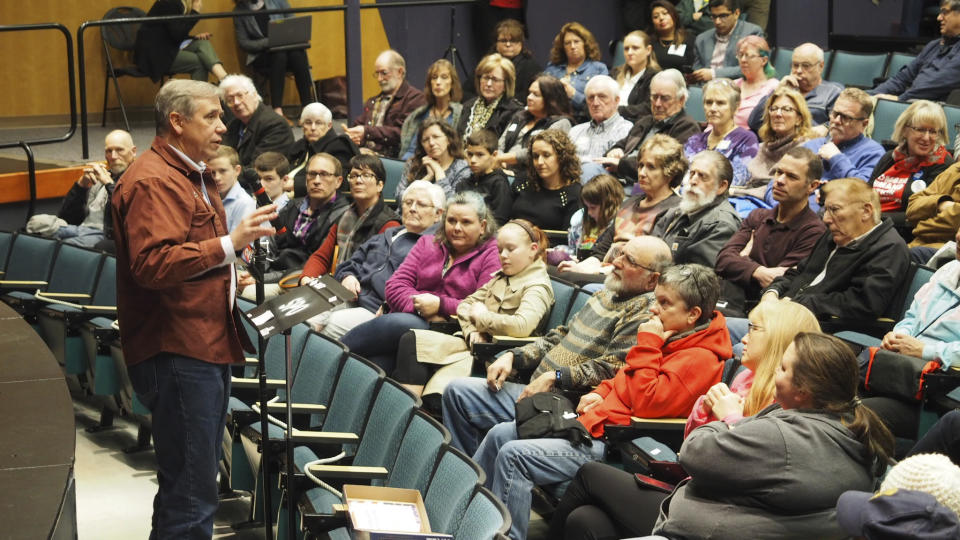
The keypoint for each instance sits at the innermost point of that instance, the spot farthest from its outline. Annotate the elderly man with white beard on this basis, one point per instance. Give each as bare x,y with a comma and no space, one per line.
697,228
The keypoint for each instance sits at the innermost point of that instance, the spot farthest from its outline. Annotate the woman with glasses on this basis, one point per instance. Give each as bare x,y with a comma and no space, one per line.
777,474
438,273
443,93
786,124
635,74
575,59
366,216
317,121
670,44
494,81
367,270
438,159
919,157
721,98
512,303
753,54
509,43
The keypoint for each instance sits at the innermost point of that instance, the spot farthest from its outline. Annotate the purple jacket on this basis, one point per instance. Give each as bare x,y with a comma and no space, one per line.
422,272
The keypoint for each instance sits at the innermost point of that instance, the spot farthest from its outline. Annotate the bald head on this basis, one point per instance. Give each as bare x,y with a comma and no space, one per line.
119,151
390,70
638,265
807,66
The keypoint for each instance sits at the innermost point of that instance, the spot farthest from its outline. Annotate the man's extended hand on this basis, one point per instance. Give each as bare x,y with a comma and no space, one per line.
252,226
498,371
543,383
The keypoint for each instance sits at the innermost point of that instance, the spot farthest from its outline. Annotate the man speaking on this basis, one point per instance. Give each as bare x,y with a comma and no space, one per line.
175,289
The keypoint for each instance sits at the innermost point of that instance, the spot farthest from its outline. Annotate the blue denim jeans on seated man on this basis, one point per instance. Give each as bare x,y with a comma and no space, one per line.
377,340
470,408
514,466
188,402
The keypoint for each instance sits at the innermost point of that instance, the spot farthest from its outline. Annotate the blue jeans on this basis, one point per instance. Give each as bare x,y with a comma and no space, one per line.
514,467
737,328
188,402
470,408
377,340
77,235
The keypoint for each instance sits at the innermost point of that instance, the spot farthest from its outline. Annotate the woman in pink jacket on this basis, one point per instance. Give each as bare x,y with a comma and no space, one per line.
773,325
439,272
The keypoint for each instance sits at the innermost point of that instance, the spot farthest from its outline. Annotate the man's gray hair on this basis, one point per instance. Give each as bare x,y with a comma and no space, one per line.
676,78
696,285
435,192
952,5
241,82
604,83
395,58
180,96
721,165
816,48
316,110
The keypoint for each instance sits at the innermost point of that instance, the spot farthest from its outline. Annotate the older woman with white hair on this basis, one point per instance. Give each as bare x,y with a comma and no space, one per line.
317,121
721,97
366,272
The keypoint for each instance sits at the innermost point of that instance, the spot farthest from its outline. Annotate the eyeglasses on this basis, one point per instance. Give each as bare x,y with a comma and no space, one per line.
805,66
785,109
508,41
618,253
381,73
720,16
365,177
925,131
411,203
845,118
312,123
491,79
754,327
320,175
238,96
945,11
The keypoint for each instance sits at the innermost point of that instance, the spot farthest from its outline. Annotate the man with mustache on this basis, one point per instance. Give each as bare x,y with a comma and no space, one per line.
704,221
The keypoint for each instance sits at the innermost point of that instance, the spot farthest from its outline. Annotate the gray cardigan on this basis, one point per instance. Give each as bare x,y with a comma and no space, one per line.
774,475
411,126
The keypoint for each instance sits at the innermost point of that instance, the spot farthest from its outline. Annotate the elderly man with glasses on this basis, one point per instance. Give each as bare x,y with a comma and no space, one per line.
806,77
668,94
378,128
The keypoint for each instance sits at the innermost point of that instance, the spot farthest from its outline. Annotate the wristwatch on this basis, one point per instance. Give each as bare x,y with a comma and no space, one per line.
559,378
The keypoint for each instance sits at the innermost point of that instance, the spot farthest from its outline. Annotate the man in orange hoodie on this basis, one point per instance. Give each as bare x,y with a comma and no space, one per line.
679,354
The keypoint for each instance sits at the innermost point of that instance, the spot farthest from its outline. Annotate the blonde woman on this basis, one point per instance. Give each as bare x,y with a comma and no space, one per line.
635,74
773,325
494,81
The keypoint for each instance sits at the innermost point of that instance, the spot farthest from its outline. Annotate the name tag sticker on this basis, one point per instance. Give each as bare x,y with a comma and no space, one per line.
677,49
918,186
723,145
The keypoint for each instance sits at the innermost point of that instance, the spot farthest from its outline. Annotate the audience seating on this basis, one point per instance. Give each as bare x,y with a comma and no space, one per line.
953,122
30,263
782,61
394,173
885,115
694,104
856,69
6,240
121,37
72,279
898,61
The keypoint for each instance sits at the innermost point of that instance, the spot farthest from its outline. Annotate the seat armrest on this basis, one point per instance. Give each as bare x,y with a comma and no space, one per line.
42,294
22,284
297,408
323,437
348,472
241,382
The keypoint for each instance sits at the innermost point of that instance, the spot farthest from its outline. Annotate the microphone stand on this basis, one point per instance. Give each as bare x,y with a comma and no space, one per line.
452,52
258,269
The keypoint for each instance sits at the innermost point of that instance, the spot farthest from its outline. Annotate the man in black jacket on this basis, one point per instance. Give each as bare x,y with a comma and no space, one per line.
668,94
855,270
255,128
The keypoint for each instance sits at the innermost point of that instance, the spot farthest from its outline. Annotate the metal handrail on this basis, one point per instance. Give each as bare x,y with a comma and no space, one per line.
71,80
352,43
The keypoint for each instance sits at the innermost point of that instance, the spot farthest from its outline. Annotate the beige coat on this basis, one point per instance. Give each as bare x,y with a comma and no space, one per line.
934,228
515,306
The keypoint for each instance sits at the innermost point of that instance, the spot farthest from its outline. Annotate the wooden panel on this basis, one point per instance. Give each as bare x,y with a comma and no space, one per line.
51,184
36,84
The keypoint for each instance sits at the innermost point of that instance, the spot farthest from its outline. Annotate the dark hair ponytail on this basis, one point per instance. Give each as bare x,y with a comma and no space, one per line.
827,369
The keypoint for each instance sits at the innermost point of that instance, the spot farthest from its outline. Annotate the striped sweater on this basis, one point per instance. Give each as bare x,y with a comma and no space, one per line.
595,344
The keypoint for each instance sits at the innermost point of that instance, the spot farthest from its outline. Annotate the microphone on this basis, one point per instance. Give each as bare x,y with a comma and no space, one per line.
260,194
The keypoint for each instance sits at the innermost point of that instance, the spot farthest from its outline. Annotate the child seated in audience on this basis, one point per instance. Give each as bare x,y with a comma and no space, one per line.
273,169
226,169
486,177
601,198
